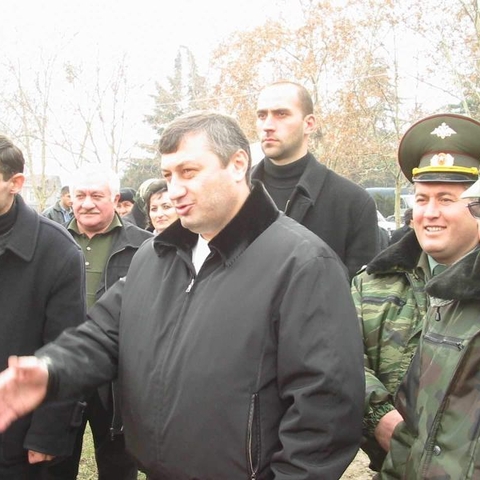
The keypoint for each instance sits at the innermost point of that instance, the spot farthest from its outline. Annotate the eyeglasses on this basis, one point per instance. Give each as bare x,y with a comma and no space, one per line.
474,209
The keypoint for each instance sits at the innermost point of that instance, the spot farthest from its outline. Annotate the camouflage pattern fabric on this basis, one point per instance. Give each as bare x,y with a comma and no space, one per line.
390,299
440,395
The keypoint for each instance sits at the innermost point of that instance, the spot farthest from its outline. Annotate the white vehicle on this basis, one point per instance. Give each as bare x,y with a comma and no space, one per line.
385,199
385,224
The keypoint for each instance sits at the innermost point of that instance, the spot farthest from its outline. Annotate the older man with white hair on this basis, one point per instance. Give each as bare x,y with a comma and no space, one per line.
108,245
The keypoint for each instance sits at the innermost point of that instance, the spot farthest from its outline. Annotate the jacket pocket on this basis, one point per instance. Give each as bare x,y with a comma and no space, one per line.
253,437
444,341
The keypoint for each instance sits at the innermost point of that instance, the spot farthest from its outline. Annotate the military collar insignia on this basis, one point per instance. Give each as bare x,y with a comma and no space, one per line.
443,131
442,160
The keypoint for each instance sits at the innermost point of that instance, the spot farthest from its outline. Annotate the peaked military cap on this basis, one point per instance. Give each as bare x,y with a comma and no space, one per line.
441,148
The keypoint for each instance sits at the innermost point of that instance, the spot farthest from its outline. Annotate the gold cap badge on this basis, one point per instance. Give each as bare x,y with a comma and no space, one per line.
442,160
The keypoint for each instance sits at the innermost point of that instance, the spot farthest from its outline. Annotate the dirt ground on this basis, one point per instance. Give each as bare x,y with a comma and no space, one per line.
358,470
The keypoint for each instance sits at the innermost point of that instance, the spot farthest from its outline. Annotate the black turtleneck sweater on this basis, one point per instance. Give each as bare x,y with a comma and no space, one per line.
280,180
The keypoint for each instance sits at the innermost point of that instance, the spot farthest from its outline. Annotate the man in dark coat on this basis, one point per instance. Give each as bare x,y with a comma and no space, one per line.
234,334
41,293
337,210
405,228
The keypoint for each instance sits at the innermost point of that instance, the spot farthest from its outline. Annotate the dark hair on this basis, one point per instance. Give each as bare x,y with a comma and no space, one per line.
224,135
64,190
127,194
306,102
407,216
157,186
11,158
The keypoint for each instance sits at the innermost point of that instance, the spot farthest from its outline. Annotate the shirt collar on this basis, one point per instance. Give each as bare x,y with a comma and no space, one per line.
257,214
115,223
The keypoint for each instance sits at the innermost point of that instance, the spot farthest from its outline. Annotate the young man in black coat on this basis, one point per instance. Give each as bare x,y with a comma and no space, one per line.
42,287
334,208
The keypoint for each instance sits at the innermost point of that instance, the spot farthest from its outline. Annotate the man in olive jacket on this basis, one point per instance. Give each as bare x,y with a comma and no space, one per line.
41,293
234,334
108,245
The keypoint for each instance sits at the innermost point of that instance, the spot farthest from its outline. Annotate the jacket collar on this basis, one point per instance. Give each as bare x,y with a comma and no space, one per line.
256,215
23,239
401,256
131,235
114,224
307,189
461,281
311,181
125,234
313,178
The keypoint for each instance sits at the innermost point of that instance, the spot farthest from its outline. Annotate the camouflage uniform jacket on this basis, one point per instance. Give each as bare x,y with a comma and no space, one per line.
440,396
391,302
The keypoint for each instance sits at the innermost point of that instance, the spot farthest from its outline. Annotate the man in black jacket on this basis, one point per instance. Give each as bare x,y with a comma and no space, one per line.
42,287
337,210
234,334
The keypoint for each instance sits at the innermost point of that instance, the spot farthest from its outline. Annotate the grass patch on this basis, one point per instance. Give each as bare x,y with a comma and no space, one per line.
88,467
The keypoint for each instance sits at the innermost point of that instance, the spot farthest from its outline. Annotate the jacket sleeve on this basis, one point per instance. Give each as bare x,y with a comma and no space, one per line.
53,426
84,358
394,466
363,239
320,374
378,400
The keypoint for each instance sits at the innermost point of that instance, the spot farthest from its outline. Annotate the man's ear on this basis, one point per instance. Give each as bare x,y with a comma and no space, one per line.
116,199
310,124
239,164
16,182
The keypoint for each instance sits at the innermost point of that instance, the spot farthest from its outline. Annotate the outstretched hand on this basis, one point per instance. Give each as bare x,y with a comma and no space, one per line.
23,386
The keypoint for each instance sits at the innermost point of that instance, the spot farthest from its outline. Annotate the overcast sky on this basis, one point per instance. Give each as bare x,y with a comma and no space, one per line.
148,33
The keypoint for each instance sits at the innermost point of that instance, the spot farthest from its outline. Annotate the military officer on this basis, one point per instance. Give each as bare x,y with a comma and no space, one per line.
440,155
